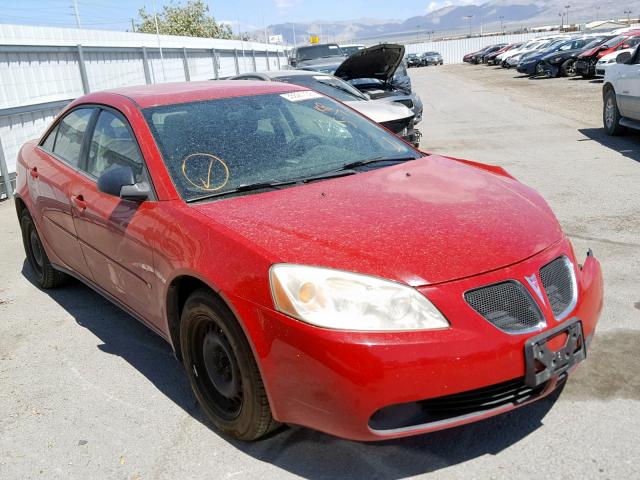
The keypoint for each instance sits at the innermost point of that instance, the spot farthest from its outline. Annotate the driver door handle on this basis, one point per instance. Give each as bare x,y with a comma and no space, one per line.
79,202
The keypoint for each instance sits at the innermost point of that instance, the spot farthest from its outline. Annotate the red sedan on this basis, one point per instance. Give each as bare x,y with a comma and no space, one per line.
306,265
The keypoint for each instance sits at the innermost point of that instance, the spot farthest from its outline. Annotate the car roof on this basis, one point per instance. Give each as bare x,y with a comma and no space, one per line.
183,92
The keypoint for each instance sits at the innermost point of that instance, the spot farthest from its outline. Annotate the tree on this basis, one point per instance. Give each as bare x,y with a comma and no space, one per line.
191,20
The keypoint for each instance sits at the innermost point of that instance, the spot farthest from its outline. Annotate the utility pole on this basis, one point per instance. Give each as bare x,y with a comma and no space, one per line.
76,13
628,14
417,33
597,12
561,15
155,15
567,8
469,17
133,26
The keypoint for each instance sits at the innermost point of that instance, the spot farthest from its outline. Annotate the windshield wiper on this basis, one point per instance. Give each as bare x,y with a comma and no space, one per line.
245,187
360,163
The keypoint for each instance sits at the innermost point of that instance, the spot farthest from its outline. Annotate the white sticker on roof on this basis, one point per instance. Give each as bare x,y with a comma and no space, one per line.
321,77
333,47
300,96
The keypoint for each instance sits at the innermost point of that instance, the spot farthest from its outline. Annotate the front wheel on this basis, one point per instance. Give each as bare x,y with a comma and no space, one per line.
222,370
611,114
568,68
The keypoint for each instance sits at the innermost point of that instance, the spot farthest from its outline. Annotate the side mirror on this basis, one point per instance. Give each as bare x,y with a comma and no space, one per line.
623,57
121,182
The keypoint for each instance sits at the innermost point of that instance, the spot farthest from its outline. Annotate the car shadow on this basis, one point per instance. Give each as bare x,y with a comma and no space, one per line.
307,453
627,145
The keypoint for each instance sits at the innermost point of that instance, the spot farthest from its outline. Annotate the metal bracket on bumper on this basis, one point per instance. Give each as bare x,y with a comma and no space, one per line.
542,362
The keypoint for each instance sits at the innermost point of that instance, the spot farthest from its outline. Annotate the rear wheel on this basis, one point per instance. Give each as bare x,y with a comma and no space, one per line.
221,369
611,114
568,68
46,276
539,69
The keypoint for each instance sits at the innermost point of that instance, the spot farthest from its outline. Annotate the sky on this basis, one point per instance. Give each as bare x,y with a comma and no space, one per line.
249,14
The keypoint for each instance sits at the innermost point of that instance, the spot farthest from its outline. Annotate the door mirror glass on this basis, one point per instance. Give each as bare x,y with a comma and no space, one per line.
623,57
120,181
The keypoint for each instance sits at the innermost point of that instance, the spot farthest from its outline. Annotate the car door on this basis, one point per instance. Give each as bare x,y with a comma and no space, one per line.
627,82
53,171
116,235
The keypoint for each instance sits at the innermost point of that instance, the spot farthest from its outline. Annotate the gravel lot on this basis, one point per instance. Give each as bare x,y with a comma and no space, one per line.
87,392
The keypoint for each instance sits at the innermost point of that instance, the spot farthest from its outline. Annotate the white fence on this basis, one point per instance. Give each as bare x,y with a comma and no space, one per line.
453,50
43,68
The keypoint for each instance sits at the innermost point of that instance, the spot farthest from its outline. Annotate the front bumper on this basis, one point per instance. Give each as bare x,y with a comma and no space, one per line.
585,68
335,381
527,68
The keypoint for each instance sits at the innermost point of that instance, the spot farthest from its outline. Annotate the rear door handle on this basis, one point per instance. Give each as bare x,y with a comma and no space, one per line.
34,172
79,201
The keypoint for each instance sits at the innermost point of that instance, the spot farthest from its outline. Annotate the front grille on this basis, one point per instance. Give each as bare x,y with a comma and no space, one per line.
407,102
507,305
559,283
451,407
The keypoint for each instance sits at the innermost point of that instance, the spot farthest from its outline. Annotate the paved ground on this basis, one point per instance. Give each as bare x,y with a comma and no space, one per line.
87,392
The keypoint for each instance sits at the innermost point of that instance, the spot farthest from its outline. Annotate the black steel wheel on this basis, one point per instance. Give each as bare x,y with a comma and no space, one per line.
222,370
45,275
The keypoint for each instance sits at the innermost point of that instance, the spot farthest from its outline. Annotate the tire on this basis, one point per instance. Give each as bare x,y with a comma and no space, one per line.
568,68
46,276
611,114
539,70
221,369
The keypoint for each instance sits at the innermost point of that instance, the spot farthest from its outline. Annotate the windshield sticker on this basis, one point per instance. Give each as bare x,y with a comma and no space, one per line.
300,96
332,47
321,77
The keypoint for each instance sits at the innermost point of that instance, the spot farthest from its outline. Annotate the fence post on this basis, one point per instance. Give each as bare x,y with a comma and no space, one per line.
266,52
145,65
185,63
253,56
5,174
83,71
215,63
235,58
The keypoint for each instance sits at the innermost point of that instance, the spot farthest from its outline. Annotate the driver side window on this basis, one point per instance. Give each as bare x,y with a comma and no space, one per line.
113,144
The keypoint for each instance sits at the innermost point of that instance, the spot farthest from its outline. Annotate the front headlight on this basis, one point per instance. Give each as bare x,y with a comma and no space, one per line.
350,301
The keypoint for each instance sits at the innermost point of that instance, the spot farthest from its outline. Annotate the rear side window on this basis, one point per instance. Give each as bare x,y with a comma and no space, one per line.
113,144
71,128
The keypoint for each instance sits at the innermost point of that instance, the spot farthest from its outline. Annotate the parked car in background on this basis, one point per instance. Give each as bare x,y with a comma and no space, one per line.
478,57
610,59
562,62
621,93
512,58
321,55
394,116
587,60
378,72
472,57
532,63
431,58
492,58
351,48
307,266
414,60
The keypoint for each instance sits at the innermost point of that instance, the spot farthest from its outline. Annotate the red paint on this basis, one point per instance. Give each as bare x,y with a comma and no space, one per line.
448,226
600,52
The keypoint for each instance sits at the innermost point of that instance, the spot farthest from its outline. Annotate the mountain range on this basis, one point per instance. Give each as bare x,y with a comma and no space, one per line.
491,15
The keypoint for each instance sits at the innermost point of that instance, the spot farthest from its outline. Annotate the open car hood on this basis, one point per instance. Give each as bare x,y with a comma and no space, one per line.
379,62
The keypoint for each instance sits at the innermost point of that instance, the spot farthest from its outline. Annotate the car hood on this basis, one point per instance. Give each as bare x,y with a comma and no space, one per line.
379,62
421,222
381,110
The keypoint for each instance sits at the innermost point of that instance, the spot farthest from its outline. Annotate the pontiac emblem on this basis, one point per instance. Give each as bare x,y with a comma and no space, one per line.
533,283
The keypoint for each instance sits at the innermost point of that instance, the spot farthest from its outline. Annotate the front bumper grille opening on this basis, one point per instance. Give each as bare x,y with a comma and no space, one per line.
507,305
559,282
453,407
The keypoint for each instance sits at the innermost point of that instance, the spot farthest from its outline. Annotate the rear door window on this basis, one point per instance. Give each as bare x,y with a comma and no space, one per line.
71,130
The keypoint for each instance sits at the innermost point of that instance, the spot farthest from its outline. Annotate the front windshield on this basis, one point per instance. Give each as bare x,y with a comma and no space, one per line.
616,40
332,86
214,147
319,51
